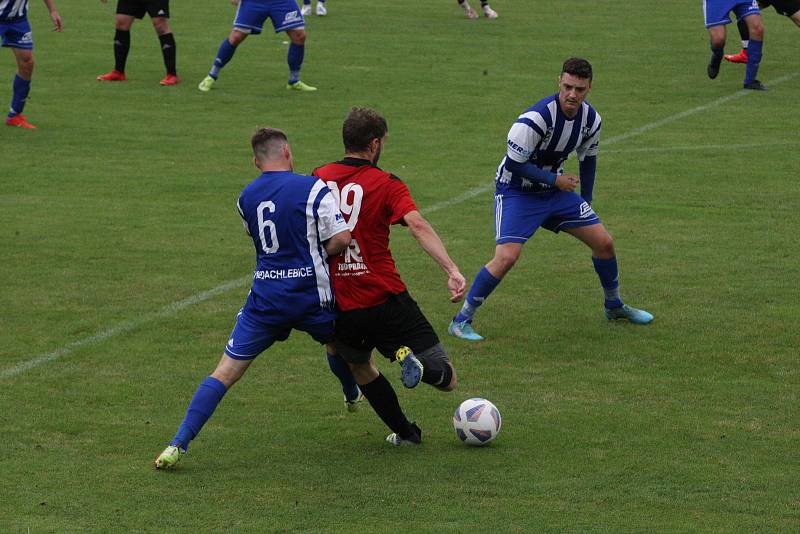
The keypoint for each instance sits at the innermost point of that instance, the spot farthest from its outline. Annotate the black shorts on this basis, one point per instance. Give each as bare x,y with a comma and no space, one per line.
387,327
137,8
784,7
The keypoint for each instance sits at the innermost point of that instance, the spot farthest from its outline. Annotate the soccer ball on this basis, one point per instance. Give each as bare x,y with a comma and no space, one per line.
477,421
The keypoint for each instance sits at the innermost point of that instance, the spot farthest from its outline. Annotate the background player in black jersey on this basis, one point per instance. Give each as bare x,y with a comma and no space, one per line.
127,10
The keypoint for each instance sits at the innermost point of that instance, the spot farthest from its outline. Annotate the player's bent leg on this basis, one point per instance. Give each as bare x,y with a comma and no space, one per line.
596,237
167,42
485,282
21,88
437,369
295,60
224,55
203,404
717,37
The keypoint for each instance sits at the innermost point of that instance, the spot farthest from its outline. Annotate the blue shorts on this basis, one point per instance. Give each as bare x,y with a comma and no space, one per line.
17,34
717,11
251,336
518,215
284,15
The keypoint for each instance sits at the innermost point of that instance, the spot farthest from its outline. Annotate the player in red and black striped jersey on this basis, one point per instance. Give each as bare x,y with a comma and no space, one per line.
375,309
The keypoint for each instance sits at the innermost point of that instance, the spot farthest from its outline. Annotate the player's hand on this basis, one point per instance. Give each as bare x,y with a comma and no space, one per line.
457,285
57,24
567,182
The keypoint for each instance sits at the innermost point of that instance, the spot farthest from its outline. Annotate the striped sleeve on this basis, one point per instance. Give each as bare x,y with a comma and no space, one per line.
525,135
590,144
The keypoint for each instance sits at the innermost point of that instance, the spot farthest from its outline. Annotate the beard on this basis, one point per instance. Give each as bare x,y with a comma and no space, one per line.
376,157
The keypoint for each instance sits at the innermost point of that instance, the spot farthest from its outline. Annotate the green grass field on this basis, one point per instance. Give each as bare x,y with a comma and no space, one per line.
123,264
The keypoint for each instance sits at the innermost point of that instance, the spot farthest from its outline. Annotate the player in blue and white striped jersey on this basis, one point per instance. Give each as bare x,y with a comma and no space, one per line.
15,32
532,191
295,224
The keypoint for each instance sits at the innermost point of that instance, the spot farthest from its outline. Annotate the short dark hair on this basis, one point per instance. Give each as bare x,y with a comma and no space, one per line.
578,67
360,127
266,142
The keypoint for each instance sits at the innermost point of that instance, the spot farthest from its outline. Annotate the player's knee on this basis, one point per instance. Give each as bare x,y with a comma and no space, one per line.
451,384
161,25
123,22
298,37
604,248
505,260
757,31
438,371
25,66
236,37
364,373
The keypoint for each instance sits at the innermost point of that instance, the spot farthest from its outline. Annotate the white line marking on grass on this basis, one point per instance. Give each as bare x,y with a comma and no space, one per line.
122,328
175,307
680,148
698,109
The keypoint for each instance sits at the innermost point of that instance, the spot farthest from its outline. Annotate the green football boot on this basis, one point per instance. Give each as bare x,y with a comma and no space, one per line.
300,86
206,84
169,458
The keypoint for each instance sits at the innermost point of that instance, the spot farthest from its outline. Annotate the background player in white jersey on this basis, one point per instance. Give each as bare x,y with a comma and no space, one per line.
285,16
321,10
488,12
532,191
295,223
15,32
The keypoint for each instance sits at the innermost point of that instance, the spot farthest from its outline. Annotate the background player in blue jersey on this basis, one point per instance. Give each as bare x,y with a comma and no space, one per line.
532,191
127,11
295,224
787,8
250,16
15,32
717,15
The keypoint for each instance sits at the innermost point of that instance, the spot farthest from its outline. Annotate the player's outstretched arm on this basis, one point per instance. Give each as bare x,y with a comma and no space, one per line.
337,243
54,16
430,242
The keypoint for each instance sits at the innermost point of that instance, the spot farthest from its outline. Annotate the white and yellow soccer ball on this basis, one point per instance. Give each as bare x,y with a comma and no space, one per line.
477,421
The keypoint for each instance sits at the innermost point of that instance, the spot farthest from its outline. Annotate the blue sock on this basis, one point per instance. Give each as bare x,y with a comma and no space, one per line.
21,90
482,287
295,60
306,2
609,279
208,395
753,59
224,54
340,368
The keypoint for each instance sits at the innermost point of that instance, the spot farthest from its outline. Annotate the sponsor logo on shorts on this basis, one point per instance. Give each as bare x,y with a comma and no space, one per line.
161,12
291,16
26,38
586,211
